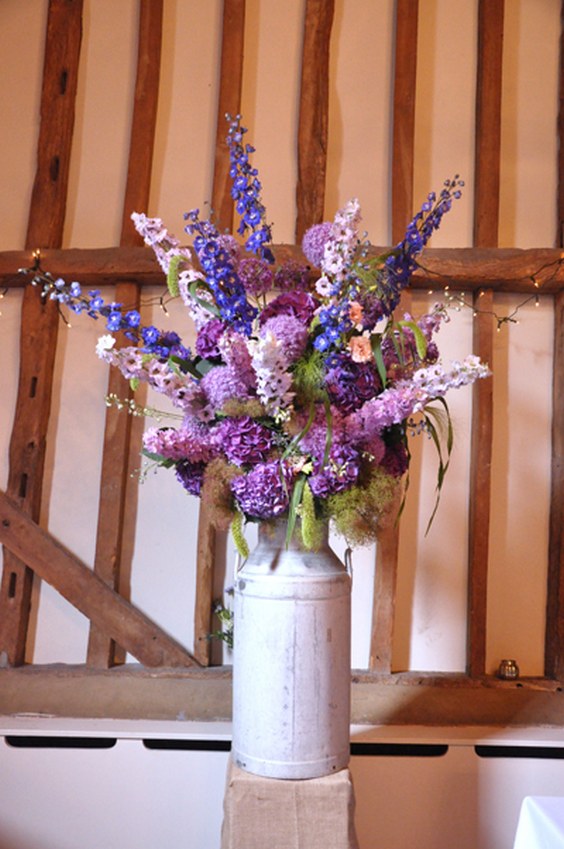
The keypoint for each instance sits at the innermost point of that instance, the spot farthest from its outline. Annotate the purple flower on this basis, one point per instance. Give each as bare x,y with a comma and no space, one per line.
350,384
255,275
263,493
302,305
341,472
314,240
291,275
209,335
244,441
290,331
191,476
221,384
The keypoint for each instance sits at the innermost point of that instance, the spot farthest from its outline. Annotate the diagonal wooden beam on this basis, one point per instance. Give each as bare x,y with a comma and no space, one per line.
117,432
39,321
86,591
314,115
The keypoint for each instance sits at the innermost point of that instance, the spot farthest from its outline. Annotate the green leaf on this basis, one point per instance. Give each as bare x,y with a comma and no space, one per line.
329,434
295,502
436,421
165,462
134,383
420,340
376,344
206,305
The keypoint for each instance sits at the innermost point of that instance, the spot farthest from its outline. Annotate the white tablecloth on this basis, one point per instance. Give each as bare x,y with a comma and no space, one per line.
541,823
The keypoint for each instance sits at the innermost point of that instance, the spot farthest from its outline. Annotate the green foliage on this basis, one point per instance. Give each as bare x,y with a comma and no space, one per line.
312,527
238,536
172,275
359,513
309,374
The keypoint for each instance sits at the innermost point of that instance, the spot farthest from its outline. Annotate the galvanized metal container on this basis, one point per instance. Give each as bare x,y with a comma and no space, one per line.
291,660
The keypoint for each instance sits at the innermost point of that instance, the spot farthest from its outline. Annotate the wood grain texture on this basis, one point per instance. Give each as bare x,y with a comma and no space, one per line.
480,492
488,122
229,103
403,152
313,118
403,142
86,591
554,643
40,321
560,200
117,432
469,269
230,86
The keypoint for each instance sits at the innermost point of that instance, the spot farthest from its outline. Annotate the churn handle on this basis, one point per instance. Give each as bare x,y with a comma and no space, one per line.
348,561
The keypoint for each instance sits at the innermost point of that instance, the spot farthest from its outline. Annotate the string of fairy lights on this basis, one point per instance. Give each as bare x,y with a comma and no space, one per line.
453,299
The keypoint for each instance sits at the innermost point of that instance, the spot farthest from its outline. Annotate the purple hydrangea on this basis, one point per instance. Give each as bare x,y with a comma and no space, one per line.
209,335
340,473
302,305
350,384
262,493
244,441
314,240
191,476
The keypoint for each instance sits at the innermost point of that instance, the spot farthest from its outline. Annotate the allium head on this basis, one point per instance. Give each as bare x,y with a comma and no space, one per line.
314,240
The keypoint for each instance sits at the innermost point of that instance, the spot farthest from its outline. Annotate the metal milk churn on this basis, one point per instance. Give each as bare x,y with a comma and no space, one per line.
291,659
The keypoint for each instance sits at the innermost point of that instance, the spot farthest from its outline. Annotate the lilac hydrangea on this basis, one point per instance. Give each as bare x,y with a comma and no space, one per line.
263,493
244,441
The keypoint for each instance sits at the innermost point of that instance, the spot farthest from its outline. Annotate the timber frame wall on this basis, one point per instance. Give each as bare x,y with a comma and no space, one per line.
168,679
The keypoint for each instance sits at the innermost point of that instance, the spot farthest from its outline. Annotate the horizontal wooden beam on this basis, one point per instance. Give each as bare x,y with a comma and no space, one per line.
205,695
130,628
501,269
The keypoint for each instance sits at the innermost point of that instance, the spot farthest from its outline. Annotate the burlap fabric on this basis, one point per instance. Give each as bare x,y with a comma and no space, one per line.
265,813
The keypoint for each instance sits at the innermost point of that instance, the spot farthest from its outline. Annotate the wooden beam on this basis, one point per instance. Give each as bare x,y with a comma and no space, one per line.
313,119
117,432
488,122
40,321
486,226
230,88
229,102
403,143
204,695
86,591
403,155
554,643
560,200
469,269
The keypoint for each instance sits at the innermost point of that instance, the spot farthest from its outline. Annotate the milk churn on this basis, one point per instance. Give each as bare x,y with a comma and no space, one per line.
291,659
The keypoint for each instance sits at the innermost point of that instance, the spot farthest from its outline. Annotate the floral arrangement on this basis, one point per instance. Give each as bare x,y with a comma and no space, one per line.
303,386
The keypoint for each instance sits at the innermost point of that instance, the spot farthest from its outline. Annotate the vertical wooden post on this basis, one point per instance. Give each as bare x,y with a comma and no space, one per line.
117,434
554,640
486,225
403,158
314,109
229,102
40,321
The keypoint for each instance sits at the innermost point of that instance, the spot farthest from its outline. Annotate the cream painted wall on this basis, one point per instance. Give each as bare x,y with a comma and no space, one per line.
430,630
